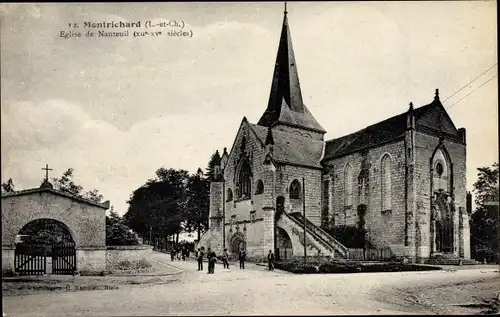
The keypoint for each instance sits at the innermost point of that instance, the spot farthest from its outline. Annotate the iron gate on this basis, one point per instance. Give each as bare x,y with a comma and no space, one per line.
63,258
30,259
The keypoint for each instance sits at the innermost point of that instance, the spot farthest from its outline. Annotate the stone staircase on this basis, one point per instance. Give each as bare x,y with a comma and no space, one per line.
449,259
320,236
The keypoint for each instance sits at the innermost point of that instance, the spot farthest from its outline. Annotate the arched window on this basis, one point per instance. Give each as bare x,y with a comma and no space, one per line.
260,187
295,190
441,171
244,182
229,194
386,182
348,186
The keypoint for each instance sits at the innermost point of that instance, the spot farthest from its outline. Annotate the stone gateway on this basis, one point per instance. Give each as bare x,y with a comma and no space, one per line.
81,220
405,177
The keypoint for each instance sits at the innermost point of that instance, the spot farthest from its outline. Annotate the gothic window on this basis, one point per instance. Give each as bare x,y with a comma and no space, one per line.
363,186
442,171
229,194
386,182
260,187
348,186
295,190
244,181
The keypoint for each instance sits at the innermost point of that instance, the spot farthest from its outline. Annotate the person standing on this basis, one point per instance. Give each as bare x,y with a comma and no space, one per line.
213,260
270,260
225,259
200,260
242,258
172,254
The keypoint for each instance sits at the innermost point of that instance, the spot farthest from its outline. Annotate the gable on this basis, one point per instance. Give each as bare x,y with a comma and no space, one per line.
246,143
436,119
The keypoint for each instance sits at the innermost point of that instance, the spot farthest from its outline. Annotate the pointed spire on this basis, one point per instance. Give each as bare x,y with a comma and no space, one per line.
269,137
285,83
285,103
436,97
285,12
411,107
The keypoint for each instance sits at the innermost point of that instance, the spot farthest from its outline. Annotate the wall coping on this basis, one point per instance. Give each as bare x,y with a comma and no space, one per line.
129,247
91,248
53,191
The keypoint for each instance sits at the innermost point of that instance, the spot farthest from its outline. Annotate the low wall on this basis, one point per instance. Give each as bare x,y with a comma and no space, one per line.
8,258
91,259
130,253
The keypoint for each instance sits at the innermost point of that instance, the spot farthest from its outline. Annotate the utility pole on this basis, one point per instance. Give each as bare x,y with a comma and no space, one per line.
304,215
223,211
150,230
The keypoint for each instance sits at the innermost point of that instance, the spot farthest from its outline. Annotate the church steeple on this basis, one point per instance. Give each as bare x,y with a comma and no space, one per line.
285,93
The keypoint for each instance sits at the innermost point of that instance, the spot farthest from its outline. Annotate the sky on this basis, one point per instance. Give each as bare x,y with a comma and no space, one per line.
117,109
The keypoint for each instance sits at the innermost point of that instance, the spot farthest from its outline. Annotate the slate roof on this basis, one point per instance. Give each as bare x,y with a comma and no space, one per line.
381,132
285,104
292,148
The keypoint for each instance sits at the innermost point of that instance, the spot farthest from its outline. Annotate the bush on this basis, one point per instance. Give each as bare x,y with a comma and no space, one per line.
135,265
117,233
342,266
350,236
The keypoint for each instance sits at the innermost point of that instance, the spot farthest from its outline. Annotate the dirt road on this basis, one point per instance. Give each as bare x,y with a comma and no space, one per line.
253,291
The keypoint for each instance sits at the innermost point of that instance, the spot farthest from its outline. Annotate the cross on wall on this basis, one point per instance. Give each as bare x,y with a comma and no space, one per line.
47,169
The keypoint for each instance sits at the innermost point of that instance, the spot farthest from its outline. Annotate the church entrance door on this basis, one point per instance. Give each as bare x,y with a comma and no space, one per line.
237,243
443,210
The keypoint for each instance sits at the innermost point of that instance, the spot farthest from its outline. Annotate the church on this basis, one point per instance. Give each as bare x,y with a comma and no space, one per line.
403,180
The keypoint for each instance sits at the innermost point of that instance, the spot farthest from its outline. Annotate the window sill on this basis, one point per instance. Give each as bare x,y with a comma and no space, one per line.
241,199
348,207
387,211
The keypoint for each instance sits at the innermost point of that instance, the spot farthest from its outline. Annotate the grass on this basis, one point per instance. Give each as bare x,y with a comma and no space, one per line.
335,266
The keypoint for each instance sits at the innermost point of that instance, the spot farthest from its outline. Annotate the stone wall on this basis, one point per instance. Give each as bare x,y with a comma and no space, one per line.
425,148
86,222
285,174
8,258
384,227
91,259
132,254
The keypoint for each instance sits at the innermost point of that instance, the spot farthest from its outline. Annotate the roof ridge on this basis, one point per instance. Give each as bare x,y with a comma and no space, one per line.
379,122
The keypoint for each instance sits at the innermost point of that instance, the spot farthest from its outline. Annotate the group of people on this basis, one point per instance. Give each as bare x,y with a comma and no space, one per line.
179,253
212,259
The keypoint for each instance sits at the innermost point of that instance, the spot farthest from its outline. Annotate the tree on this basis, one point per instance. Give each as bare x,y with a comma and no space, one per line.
117,232
158,208
214,160
198,203
66,184
484,221
8,187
